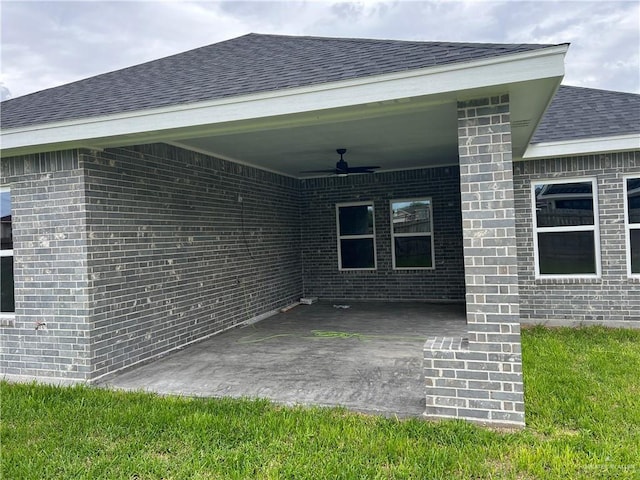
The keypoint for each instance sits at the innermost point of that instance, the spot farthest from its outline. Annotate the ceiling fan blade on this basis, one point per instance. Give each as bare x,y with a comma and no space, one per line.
369,169
342,167
328,170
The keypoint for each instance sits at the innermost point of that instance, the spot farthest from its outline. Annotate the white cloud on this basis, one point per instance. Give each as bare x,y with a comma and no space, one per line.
45,44
5,94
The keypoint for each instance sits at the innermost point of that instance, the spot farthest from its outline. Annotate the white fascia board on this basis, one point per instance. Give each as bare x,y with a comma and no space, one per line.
583,146
543,63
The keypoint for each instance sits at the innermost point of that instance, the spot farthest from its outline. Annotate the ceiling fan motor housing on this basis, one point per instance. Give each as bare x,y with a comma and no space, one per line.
342,166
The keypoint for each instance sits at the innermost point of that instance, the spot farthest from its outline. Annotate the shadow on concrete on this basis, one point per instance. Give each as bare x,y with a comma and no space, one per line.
367,358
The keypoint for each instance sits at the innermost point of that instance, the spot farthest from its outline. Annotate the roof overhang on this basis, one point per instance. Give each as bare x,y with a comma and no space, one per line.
411,113
583,146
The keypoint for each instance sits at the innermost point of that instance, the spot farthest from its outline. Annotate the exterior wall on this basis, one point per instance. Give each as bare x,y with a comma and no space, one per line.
612,299
319,237
480,378
174,256
129,253
49,337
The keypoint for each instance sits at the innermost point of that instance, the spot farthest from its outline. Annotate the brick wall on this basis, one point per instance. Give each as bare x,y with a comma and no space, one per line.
50,269
613,298
173,253
321,275
129,253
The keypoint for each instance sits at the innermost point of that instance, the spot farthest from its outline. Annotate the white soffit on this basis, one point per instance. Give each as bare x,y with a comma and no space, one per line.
135,127
583,146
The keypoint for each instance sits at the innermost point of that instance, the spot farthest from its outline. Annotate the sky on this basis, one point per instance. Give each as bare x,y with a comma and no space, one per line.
50,43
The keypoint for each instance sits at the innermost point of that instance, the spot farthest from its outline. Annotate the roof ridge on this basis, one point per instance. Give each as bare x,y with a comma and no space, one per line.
400,41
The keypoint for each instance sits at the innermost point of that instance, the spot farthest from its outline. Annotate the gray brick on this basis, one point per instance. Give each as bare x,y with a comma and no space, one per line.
472,375
448,364
441,392
512,417
509,396
452,383
478,394
488,366
505,377
485,404
473,413
441,411
451,402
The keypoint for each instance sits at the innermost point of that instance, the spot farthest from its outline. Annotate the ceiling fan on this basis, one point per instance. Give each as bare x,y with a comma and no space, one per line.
342,167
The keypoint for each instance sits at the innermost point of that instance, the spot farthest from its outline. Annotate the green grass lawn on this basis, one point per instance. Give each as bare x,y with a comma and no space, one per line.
582,390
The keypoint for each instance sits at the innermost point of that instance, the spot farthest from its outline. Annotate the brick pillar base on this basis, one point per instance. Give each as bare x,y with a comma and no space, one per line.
468,383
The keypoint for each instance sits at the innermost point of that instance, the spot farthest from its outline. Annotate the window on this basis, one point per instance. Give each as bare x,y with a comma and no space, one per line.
632,221
565,228
356,236
412,233
7,304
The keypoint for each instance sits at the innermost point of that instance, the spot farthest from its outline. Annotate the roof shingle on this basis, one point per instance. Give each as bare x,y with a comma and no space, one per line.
249,64
578,112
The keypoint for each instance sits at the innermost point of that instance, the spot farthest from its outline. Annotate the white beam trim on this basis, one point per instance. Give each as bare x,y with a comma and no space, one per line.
583,146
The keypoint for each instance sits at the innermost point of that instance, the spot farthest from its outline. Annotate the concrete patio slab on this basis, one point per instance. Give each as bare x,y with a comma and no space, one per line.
367,357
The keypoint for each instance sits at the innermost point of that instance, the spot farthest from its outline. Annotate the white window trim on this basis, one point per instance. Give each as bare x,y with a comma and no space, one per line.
354,237
595,228
6,253
416,234
629,226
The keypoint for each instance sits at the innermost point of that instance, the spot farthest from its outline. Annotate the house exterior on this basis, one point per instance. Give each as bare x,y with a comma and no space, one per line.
149,208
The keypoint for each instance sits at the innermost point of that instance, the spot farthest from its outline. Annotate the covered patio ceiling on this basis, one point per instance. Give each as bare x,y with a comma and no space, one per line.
386,135
399,134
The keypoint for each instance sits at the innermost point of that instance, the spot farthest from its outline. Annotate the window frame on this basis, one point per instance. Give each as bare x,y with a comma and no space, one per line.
372,236
628,226
414,234
595,228
8,253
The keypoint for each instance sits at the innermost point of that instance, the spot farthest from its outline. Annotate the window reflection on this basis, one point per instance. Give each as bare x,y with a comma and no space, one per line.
412,233
357,253
566,228
356,236
633,221
411,217
413,252
6,254
633,199
635,250
564,204
356,220
566,253
6,235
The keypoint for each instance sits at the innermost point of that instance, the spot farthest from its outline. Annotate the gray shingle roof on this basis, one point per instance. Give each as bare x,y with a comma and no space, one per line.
248,64
577,112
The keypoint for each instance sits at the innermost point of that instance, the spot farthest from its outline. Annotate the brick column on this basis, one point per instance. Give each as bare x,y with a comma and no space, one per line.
480,378
49,338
